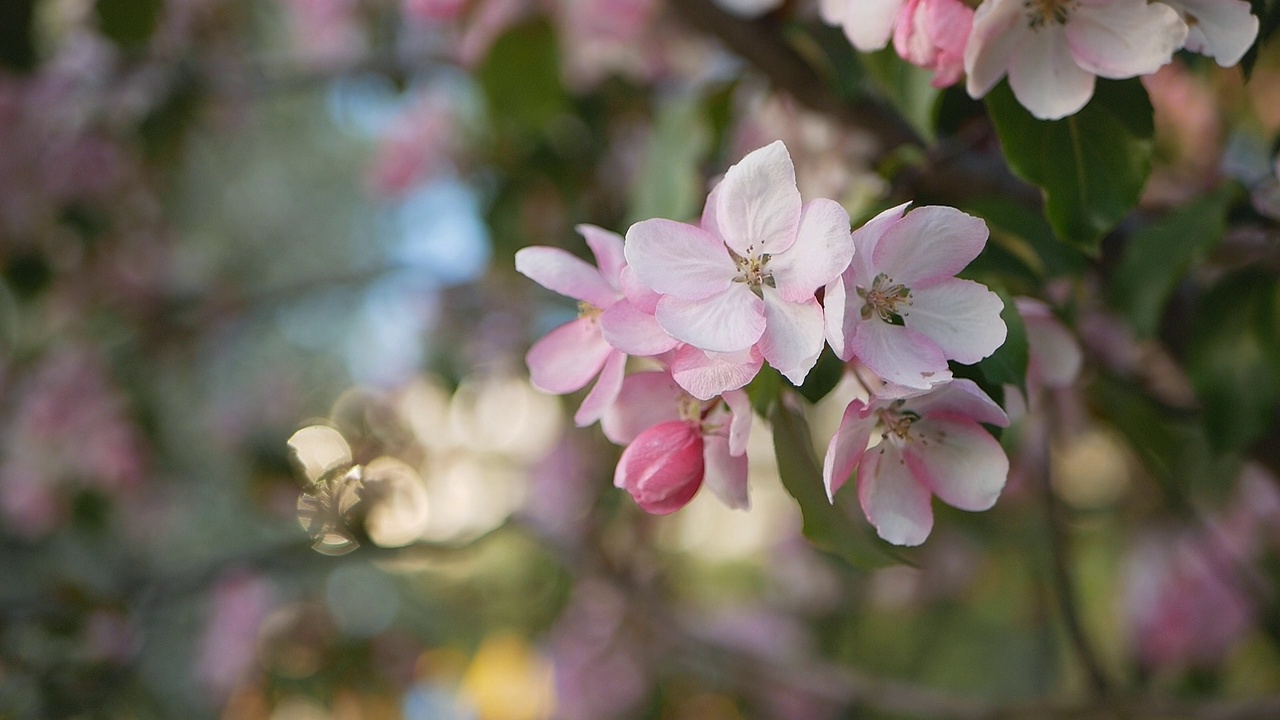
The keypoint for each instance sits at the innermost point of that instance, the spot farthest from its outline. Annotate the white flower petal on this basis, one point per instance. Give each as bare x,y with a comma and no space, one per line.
792,339
1044,75
961,316
728,322
1124,38
893,500
823,249
758,204
958,460
725,473
680,260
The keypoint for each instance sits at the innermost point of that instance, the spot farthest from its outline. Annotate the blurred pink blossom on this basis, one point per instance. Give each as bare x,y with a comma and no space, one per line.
227,651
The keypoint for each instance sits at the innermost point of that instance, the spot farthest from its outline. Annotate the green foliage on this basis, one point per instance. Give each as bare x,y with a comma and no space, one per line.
1268,13
669,184
1234,358
764,390
843,534
17,50
824,376
129,23
1091,166
1025,234
1008,364
906,86
1157,256
521,79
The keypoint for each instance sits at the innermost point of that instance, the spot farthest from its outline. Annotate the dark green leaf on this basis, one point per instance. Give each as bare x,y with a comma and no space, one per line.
907,87
129,23
764,389
824,376
521,79
1157,256
827,526
1234,358
1008,364
1268,14
17,51
1025,233
1091,166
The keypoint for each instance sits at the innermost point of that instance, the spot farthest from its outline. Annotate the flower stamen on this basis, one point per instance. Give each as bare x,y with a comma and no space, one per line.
883,299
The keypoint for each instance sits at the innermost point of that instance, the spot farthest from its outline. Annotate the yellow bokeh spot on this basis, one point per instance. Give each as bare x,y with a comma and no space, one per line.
509,680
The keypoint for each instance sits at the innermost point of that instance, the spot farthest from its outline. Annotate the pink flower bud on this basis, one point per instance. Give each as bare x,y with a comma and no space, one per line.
663,467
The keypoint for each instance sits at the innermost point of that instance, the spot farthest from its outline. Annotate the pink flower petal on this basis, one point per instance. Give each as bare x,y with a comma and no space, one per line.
958,460
899,354
758,204
728,322
705,375
961,316
637,293
633,331
998,26
568,357
1124,38
679,260
865,239
607,247
1045,77
893,500
740,426
662,469
792,338
1055,355
555,269
838,319
960,397
847,447
726,474
606,390
646,399
929,245
823,249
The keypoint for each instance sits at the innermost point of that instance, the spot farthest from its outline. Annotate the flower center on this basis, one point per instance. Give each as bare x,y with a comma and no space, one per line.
752,270
895,423
690,409
1040,12
588,311
883,299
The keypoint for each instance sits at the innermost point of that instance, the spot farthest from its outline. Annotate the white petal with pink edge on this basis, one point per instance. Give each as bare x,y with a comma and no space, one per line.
634,331
568,357
792,339
758,204
558,270
726,473
961,316
958,460
646,399
893,500
847,447
823,249
607,246
604,392
728,322
930,244
676,259
1045,77
899,354
1124,38
705,375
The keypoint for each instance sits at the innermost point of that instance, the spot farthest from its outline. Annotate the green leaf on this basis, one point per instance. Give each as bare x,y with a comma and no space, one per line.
1024,233
907,87
1268,14
829,527
129,23
521,79
1091,166
824,376
17,48
1157,256
1234,357
669,184
764,389
1008,364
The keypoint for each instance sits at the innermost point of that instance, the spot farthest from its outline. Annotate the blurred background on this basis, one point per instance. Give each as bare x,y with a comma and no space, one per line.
253,252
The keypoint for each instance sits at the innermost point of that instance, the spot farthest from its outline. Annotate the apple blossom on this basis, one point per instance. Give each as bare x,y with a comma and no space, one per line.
927,33
898,307
930,444
676,442
747,277
570,356
1221,29
1052,50
1054,357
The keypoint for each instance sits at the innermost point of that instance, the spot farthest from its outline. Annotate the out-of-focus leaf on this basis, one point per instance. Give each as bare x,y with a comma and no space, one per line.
764,390
828,527
1268,13
521,78
129,23
1171,443
1234,357
1157,256
17,50
1091,165
669,184
1025,234
824,376
1008,364
906,86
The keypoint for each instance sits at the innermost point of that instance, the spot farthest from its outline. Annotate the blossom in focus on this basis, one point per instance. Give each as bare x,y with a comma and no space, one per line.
747,277
676,442
570,356
1053,50
931,444
899,307
1221,29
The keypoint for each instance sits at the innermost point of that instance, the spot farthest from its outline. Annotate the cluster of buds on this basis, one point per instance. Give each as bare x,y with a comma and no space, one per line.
766,277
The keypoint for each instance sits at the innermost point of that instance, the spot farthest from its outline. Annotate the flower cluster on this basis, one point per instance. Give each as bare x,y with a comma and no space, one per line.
1051,50
767,277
